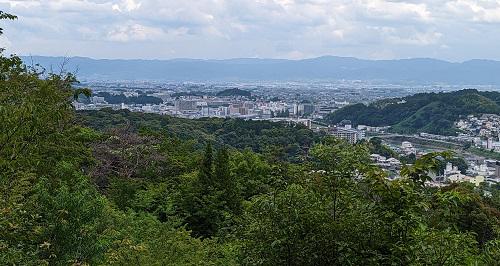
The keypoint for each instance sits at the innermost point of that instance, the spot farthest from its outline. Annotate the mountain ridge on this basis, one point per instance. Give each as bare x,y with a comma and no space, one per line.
409,71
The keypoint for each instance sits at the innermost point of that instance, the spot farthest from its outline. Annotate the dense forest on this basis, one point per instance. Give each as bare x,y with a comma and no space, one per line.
289,143
119,188
433,113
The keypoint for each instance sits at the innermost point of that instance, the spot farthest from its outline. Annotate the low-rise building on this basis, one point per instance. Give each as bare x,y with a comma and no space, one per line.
351,135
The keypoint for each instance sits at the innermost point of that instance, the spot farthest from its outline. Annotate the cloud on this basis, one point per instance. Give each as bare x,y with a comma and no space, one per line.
477,11
126,5
134,32
395,10
408,36
246,28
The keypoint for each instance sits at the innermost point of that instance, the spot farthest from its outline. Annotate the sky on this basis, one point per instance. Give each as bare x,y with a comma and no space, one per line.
453,30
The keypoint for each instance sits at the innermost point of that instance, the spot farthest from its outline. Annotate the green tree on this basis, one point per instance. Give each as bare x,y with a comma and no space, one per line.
317,221
252,172
45,202
205,210
205,175
409,159
226,182
71,218
140,239
377,147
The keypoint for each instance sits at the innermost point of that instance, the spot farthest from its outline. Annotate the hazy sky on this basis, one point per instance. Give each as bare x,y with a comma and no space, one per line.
376,29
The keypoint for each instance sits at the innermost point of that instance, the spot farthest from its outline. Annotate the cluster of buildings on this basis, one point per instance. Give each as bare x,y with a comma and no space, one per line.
310,100
196,100
240,107
407,148
215,106
483,131
98,103
476,173
391,165
219,107
198,106
478,170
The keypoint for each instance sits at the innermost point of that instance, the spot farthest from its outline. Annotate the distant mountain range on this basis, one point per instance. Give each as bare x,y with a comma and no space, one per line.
416,71
424,112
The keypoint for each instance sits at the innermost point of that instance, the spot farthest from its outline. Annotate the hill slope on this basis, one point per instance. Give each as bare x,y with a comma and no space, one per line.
234,92
422,71
425,112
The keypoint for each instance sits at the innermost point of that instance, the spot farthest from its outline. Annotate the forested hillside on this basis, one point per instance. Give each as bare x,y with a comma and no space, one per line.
121,188
433,113
287,142
234,92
